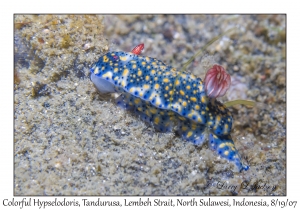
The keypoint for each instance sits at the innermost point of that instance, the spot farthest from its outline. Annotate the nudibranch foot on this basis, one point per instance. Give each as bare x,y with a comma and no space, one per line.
161,119
123,101
192,132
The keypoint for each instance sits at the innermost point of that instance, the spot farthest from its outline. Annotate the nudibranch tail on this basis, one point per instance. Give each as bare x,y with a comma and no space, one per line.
224,146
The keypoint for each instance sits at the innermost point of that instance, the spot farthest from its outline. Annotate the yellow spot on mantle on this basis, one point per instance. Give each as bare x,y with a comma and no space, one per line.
199,120
125,72
105,59
152,95
166,80
227,144
96,71
156,86
200,88
193,99
108,74
123,58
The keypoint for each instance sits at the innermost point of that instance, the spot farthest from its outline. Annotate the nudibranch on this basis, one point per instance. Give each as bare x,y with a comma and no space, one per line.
168,99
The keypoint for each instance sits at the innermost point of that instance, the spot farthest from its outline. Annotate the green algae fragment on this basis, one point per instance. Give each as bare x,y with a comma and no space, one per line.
241,102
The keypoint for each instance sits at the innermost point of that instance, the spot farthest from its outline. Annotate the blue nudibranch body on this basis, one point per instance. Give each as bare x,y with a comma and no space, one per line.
167,98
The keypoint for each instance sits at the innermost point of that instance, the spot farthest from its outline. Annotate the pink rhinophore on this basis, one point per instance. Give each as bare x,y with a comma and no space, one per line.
217,81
